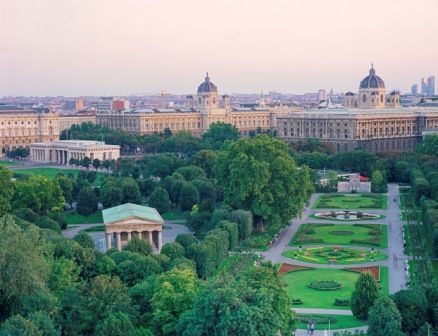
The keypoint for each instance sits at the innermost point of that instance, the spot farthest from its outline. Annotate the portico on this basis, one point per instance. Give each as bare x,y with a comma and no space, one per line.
126,221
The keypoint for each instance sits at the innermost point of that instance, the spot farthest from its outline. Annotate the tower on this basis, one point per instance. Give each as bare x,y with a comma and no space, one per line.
372,91
206,100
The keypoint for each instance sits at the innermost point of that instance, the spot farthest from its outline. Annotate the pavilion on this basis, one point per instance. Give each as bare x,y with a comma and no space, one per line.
129,220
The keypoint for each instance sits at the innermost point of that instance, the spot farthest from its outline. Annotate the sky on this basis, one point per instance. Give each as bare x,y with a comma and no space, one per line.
122,47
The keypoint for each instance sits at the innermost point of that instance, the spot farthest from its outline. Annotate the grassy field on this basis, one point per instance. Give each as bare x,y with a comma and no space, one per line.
328,255
99,228
351,201
175,215
52,172
8,163
343,321
338,234
74,218
298,286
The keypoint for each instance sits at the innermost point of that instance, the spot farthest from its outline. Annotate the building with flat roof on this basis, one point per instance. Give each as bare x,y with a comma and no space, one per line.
62,151
370,120
126,221
21,127
199,112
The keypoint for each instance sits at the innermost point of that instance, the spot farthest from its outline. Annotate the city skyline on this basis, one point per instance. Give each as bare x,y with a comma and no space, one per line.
112,48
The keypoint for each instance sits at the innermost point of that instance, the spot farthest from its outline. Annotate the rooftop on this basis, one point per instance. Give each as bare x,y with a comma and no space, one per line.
129,210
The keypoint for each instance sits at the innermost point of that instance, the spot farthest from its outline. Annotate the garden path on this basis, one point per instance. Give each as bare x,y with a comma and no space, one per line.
301,332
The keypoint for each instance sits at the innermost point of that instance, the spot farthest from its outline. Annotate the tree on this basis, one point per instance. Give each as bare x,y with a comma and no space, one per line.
39,194
412,305
173,250
364,295
258,175
116,324
244,222
205,159
191,173
87,201
130,191
44,324
111,193
181,142
84,239
106,164
378,183
6,190
429,144
384,318
66,184
233,232
23,268
17,325
159,199
85,162
96,164
219,133
188,196
186,240
174,293
140,246
48,223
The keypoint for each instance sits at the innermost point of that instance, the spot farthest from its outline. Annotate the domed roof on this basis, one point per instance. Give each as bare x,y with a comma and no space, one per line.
372,81
207,86
349,93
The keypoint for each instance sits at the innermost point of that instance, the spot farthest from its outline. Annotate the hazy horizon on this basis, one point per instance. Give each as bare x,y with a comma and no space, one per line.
114,47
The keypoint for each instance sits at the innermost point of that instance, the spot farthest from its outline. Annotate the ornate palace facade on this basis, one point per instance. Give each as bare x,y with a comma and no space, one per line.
378,124
21,127
196,117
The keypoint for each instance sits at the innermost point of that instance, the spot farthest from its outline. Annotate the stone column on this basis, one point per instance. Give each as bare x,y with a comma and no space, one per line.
140,235
160,240
108,240
150,238
118,241
129,236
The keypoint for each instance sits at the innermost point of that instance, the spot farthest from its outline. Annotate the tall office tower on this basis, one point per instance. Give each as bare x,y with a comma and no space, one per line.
414,89
431,85
322,95
423,86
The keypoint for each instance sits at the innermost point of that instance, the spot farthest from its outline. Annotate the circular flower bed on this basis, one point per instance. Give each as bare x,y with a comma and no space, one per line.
341,233
346,215
334,255
325,285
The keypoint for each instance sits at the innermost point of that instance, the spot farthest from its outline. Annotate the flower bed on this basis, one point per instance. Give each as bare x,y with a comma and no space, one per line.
317,319
285,268
374,270
325,285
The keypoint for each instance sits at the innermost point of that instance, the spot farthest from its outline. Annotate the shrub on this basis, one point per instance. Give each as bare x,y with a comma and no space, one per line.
297,301
325,285
48,223
342,302
84,239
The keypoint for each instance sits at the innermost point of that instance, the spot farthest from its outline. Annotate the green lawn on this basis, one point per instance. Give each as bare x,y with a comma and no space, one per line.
340,234
329,255
342,322
298,281
98,228
74,218
52,172
175,215
8,163
351,201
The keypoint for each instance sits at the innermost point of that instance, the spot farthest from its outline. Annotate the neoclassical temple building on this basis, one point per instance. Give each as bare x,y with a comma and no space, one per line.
20,127
61,151
123,222
371,120
202,110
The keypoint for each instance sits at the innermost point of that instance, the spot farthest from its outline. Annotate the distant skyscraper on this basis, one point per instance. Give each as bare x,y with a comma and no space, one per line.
414,89
423,86
431,85
322,95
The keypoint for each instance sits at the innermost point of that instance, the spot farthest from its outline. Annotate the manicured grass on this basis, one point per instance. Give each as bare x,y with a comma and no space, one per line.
74,218
343,321
326,234
330,255
175,215
98,228
52,172
298,281
8,163
351,201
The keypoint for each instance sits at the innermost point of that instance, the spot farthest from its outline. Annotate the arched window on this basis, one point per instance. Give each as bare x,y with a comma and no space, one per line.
364,98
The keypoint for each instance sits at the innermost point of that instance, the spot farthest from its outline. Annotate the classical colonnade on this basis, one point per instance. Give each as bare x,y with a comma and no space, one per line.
55,155
154,237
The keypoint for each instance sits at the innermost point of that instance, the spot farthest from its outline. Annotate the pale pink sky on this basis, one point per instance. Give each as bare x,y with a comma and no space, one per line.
93,47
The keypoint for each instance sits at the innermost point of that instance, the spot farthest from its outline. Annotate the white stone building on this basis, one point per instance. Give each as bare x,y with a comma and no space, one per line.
61,151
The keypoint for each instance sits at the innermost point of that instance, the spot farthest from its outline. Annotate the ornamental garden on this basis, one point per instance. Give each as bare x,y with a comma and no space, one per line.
347,243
